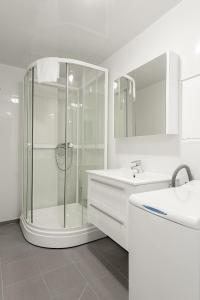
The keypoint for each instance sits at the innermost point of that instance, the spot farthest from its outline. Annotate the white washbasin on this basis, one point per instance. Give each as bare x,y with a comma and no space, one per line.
126,175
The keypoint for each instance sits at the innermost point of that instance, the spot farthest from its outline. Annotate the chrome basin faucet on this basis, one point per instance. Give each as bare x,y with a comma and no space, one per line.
136,167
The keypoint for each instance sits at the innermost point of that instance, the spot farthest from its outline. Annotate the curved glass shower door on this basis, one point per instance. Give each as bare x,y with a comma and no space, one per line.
84,136
64,137
48,131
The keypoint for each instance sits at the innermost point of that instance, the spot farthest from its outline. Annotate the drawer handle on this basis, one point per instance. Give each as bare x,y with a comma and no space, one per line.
108,214
109,184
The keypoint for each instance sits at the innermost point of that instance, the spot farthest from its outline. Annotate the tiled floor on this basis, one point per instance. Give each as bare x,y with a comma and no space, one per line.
96,271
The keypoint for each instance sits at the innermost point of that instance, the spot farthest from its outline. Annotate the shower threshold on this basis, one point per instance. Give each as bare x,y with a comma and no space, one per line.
47,229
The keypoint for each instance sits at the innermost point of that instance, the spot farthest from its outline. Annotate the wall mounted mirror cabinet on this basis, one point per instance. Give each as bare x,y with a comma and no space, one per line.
146,99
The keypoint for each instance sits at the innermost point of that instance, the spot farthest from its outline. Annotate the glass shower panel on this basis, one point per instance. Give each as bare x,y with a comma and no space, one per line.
91,137
27,167
72,207
85,132
49,151
60,151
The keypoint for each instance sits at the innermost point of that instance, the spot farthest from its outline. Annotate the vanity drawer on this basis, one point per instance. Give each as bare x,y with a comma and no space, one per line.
108,222
109,195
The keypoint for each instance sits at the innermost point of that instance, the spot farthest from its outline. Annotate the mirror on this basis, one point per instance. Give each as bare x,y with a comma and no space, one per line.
124,89
141,99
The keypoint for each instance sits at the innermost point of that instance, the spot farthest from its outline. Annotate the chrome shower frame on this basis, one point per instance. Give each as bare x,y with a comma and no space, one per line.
66,237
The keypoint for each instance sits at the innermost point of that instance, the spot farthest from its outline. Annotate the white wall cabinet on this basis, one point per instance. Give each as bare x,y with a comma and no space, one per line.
146,99
190,108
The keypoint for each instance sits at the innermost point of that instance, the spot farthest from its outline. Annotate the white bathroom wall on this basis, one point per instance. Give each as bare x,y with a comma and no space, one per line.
11,79
177,31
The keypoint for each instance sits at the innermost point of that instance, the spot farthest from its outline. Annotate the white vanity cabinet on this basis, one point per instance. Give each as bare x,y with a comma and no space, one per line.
108,195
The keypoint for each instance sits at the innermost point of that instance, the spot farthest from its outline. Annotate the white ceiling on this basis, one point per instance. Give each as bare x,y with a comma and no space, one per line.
89,30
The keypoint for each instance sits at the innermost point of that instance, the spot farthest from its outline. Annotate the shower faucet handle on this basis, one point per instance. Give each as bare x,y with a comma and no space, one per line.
70,145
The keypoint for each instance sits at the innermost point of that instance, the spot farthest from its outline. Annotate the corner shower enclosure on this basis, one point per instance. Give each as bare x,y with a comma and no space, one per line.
65,126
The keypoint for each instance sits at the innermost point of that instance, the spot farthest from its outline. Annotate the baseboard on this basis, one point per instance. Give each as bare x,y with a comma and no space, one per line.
9,222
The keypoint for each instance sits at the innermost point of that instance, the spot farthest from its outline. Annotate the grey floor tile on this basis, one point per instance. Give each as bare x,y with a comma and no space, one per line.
1,279
84,251
32,289
19,270
52,259
104,243
65,283
11,229
91,264
113,253
1,282
112,287
122,265
89,294
15,253
36,250
65,272
109,248
10,241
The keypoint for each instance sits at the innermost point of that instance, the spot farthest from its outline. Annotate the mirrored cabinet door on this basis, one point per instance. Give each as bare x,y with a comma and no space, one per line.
146,99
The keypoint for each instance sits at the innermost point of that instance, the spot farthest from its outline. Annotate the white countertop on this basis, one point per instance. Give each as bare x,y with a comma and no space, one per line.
126,175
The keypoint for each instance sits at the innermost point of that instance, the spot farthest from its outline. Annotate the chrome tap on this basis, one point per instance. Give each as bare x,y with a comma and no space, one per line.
136,167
